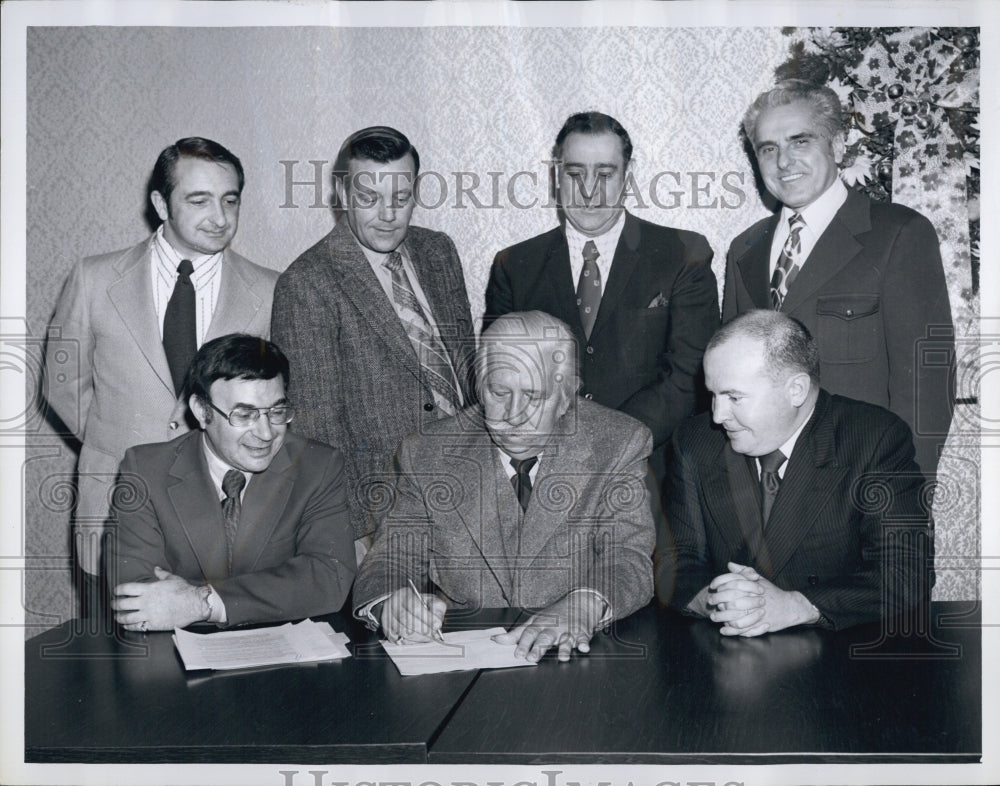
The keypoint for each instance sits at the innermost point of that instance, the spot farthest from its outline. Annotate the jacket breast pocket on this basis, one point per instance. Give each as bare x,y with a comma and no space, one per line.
848,328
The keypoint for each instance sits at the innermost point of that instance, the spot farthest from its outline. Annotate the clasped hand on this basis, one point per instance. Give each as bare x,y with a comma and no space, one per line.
747,604
567,624
167,603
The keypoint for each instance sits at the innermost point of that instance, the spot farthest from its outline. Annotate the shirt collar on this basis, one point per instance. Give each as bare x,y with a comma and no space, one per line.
606,242
820,212
173,258
217,468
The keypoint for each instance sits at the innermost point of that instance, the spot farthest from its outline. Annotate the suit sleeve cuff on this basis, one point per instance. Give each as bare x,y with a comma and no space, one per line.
364,613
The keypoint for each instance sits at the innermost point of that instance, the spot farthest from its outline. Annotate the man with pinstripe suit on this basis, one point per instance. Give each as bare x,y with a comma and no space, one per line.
787,505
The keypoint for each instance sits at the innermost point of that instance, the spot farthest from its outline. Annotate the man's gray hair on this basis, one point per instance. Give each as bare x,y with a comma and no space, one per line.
825,105
788,345
541,336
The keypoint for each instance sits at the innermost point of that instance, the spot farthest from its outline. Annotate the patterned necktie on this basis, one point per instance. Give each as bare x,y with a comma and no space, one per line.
232,485
179,325
789,262
588,288
521,479
430,351
769,482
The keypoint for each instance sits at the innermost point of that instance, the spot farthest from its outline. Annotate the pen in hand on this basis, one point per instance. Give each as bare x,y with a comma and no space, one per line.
435,632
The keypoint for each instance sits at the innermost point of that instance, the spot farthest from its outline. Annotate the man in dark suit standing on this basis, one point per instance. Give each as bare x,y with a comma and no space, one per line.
537,500
788,505
865,278
136,318
375,318
641,299
240,521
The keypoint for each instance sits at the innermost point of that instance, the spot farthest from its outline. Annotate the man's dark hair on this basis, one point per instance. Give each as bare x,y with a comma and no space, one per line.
235,356
788,345
163,179
592,123
381,144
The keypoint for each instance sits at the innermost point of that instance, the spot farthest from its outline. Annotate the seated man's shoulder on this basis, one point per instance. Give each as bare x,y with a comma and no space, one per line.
606,425
313,451
698,433
861,419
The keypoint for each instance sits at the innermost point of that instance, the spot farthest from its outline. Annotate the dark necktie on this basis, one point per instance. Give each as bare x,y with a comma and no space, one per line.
179,325
588,288
232,485
769,482
432,355
789,262
521,479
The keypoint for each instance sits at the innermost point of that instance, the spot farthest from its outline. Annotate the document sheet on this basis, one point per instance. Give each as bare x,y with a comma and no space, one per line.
460,651
302,642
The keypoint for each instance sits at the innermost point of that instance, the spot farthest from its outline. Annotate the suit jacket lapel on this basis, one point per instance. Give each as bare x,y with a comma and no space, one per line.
558,276
197,505
810,478
561,464
480,513
622,266
755,263
742,487
237,304
834,250
132,296
363,289
446,313
264,501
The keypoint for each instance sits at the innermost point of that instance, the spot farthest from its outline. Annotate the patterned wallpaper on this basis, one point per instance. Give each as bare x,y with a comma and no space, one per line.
482,105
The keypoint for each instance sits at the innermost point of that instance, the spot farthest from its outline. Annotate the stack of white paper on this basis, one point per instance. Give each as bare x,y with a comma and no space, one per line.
303,642
460,651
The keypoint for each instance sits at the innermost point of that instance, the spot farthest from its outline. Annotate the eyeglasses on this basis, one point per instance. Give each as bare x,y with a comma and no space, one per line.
241,417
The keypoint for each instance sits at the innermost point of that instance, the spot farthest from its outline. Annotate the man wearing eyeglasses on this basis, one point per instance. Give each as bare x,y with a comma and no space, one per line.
240,521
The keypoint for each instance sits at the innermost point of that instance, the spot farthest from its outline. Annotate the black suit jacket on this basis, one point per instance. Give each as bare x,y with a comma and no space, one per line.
640,360
850,528
873,295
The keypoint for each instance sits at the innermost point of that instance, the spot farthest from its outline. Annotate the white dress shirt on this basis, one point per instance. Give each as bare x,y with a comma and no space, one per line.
206,278
817,216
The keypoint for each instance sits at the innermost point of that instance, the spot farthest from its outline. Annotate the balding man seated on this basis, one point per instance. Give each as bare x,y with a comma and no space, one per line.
788,505
537,499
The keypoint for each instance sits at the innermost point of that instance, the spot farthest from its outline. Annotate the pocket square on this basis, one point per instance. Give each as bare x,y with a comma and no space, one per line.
658,302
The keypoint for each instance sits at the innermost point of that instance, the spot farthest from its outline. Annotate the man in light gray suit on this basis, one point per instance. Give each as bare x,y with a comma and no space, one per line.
537,500
135,318
374,318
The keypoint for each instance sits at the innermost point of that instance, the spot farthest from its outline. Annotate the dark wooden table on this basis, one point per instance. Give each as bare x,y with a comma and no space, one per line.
658,688
662,688
127,698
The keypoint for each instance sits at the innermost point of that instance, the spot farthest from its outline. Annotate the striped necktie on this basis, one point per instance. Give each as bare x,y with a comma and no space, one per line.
433,358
